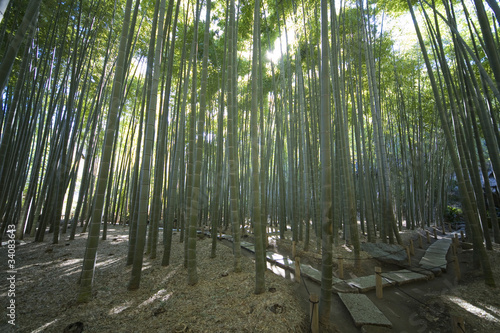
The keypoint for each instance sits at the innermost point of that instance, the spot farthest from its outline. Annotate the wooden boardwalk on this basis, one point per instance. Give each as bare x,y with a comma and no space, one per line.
362,309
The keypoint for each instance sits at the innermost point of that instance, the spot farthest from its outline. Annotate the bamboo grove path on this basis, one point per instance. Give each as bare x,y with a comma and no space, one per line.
363,311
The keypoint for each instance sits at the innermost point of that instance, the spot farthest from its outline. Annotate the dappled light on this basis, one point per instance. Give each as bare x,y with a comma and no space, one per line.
119,308
346,248
44,327
108,263
69,262
72,269
278,270
170,275
489,313
162,295
275,257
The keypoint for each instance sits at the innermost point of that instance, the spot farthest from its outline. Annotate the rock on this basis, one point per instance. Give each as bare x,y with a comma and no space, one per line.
181,328
390,253
277,308
74,328
159,311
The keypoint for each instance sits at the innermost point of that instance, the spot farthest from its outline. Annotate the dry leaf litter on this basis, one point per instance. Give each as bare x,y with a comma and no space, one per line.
222,301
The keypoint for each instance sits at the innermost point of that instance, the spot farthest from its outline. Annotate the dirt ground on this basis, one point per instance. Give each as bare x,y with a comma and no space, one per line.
223,301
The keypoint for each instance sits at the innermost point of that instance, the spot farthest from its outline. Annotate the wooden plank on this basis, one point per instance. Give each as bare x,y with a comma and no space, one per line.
363,311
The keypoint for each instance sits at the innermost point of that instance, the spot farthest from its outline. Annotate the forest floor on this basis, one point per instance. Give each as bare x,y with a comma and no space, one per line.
223,301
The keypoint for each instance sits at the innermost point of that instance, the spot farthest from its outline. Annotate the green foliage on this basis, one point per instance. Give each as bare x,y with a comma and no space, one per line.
245,21
395,7
12,18
453,214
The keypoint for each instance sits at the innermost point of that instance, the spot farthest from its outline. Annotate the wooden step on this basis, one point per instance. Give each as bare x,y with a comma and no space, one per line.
363,311
435,255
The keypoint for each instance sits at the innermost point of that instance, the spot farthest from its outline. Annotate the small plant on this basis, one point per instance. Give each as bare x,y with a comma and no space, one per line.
453,214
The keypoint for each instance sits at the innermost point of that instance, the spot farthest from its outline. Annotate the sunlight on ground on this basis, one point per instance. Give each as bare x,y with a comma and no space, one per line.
34,265
71,271
284,273
70,266
481,313
347,248
40,329
108,262
272,240
274,256
120,308
277,270
491,308
118,241
70,262
158,295
165,280
21,242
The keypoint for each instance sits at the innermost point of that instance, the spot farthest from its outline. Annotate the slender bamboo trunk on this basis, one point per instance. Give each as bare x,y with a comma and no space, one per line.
85,292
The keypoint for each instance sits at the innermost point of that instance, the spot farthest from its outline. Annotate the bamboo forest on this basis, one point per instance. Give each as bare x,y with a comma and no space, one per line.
249,166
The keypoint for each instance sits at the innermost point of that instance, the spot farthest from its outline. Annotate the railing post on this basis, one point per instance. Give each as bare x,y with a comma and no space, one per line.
297,269
341,267
378,282
314,300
